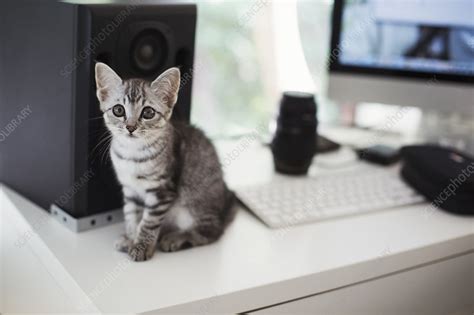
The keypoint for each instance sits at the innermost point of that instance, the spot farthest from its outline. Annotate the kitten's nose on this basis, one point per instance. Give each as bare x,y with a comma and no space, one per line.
131,128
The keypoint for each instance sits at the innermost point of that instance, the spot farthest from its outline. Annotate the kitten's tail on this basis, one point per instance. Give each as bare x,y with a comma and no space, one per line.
230,207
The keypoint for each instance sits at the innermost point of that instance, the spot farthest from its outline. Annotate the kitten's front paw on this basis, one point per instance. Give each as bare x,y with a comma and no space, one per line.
141,252
123,244
174,242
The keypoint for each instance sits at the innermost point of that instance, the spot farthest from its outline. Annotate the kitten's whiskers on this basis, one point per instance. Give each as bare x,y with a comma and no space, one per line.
106,137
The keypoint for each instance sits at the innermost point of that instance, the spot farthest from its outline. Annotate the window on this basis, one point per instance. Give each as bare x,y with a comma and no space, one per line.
248,52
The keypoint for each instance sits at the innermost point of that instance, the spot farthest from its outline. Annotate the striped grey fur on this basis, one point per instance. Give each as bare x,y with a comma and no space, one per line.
173,187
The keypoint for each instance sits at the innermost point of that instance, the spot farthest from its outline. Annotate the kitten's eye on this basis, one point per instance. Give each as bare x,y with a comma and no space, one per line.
148,113
118,110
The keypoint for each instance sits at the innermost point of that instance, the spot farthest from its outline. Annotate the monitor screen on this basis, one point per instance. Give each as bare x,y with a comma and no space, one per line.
405,37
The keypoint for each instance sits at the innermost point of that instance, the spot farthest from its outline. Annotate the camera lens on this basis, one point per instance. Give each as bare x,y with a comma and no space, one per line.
148,51
294,143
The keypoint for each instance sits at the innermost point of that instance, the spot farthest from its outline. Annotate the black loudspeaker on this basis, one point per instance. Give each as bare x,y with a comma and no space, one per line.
51,130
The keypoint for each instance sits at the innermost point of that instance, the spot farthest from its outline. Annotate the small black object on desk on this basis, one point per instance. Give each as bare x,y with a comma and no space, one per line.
294,143
444,176
379,154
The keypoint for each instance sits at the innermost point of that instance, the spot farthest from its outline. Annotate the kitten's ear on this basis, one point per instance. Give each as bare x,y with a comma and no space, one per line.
166,87
106,80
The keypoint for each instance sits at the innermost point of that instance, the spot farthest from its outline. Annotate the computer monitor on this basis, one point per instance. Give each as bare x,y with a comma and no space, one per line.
414,53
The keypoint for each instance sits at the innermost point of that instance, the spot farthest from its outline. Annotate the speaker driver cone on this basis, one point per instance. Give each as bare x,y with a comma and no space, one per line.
148,51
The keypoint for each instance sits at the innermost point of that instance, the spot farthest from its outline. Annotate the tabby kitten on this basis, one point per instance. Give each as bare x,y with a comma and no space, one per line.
173,187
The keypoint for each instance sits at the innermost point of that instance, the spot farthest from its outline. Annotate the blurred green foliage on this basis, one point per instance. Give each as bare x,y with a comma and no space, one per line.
228,95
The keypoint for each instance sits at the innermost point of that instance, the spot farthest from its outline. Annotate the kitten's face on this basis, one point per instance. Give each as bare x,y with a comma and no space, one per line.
135,108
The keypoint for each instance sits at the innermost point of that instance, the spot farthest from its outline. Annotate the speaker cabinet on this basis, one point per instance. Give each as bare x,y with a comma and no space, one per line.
56,153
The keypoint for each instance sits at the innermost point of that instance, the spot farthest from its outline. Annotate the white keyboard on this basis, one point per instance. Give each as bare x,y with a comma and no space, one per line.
288,200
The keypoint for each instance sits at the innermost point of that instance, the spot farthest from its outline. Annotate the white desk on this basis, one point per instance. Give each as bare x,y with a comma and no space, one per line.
399,261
